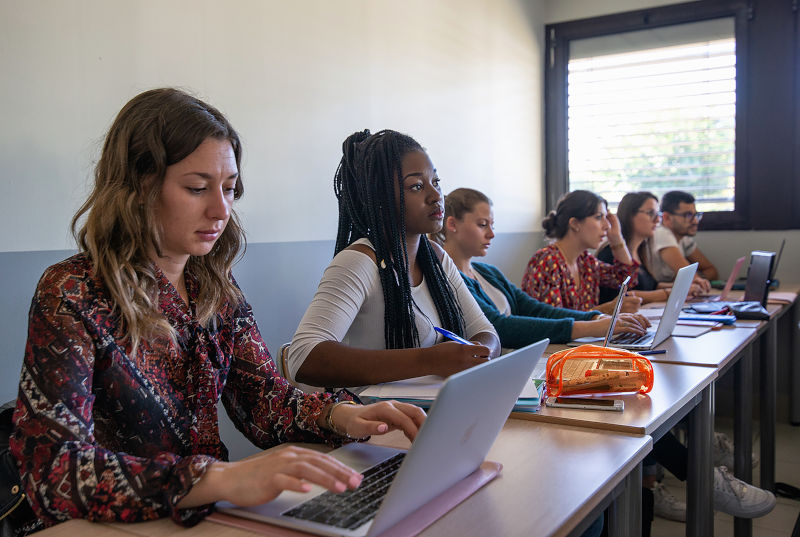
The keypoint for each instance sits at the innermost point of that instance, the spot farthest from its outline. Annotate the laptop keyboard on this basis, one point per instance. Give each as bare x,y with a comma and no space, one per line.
629,339
351,508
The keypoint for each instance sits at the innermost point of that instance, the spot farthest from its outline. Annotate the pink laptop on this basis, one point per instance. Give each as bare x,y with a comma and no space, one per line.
731,279
737,266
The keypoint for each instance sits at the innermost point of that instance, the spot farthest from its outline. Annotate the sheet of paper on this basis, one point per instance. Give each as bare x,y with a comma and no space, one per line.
424,388
417,388
652,313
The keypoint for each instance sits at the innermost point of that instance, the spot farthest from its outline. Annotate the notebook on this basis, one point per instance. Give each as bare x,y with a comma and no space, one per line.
461,426
422,391
653,336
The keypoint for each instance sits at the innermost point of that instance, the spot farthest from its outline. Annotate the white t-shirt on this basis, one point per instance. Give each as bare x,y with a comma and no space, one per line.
664,238
348,307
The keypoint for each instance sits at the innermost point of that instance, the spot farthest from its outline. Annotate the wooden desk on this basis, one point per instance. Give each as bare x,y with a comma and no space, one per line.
767,352
678,391
675,388
735,348
553,478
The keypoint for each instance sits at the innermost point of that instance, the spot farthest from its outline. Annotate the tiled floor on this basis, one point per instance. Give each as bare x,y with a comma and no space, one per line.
778,523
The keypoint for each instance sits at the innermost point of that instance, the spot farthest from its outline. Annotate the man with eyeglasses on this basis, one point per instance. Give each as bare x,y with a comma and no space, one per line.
673,245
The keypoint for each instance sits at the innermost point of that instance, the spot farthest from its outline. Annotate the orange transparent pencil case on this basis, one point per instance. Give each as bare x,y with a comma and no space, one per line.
591,369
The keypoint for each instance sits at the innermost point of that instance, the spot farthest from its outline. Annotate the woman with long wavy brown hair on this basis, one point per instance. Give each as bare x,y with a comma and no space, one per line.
133,342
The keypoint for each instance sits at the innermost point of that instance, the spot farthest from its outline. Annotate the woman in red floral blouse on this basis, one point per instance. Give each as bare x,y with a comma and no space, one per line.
133,341
564,274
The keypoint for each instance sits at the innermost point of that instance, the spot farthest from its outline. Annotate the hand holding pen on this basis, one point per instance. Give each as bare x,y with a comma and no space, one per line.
451,357
455,337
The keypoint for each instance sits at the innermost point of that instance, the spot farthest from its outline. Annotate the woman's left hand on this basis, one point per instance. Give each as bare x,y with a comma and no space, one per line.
378,418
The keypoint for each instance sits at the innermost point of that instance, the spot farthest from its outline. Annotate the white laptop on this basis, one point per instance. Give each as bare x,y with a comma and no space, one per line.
672,310
461,426
654,335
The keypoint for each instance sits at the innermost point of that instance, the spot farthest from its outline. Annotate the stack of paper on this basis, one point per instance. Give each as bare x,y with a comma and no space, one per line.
422,391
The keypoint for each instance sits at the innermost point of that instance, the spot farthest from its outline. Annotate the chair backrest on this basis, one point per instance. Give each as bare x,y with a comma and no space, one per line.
283,369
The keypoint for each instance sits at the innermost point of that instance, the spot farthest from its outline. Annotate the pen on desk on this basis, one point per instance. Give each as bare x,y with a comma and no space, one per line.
654,351
449,335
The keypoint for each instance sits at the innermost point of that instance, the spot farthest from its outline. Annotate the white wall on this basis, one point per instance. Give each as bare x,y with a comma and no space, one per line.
464,77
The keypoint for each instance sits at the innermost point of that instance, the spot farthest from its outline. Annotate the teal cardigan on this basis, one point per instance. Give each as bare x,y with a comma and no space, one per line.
530,320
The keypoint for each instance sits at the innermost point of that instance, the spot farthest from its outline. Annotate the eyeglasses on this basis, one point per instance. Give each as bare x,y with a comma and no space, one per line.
652,214
689,216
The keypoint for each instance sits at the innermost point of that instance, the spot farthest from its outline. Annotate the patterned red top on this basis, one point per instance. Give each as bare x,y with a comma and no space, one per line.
548,279
104,436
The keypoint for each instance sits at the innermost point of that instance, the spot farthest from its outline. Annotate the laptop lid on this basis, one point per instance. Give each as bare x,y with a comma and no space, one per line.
756,288
672,310
462,424
458,432
777,260
617,306
737,266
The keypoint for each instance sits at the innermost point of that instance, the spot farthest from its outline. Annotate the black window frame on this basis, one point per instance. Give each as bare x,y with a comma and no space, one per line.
767,149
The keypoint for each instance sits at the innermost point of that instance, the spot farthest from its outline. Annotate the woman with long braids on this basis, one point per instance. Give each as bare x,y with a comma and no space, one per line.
372,318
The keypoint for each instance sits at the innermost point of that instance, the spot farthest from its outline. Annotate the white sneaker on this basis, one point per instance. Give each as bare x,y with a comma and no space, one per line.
737,498
723,451
666,505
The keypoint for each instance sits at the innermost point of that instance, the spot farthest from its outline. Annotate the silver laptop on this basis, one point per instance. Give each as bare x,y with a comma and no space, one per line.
452,443
623,290
672,310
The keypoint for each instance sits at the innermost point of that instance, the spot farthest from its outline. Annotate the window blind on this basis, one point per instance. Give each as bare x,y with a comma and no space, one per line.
656,118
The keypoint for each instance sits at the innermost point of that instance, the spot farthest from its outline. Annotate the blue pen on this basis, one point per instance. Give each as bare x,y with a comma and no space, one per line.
448,334
654,351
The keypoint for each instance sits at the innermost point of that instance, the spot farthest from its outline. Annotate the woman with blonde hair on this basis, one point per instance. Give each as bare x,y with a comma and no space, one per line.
133,342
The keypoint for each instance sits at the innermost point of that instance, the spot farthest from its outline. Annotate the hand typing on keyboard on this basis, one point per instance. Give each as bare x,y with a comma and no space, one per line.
262,478
631,323
353,508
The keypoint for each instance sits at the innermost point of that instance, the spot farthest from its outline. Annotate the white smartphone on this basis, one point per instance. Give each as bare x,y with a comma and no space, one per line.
588,403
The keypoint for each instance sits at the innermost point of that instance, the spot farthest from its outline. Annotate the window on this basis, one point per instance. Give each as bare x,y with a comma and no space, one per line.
698,97
655,110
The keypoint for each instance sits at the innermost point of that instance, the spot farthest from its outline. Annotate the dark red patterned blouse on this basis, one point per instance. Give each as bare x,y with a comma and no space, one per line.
547,278
104,436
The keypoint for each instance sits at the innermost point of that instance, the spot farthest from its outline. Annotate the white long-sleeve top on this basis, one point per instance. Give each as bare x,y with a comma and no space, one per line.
348,307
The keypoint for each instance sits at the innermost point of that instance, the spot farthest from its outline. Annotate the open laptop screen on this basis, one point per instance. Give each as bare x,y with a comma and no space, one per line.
777,260
617,306
758,276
